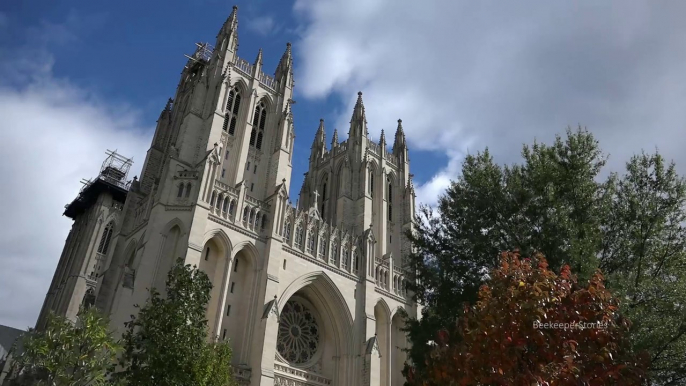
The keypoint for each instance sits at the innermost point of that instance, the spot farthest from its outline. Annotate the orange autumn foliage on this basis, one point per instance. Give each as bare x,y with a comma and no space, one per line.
496,342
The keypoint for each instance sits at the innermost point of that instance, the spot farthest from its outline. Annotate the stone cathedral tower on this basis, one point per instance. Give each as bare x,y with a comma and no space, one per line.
306,294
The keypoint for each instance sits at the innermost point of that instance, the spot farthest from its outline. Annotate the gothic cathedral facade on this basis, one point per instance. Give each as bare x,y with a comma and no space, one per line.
307,294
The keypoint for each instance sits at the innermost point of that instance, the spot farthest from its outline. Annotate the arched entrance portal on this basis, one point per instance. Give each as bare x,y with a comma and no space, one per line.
382,316
214,262
399,344
314,334
235,322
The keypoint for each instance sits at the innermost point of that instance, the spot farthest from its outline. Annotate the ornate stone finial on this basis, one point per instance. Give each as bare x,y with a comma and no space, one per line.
283,180
382,140
169,104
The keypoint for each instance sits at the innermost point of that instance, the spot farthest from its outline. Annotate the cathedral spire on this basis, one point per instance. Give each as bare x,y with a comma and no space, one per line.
399,137
319,144
257,66
285,67
358,112
400,144
334,141
382,140
320,137
358,122
258,60
227,38
232,21
286,58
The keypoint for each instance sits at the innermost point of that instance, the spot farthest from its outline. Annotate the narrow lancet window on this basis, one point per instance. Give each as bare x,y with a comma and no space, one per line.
233,103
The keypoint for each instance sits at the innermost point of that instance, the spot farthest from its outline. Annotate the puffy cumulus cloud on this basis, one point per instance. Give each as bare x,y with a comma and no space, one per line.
464,75
52,134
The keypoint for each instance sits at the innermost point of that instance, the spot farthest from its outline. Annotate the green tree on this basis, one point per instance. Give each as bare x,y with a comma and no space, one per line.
65,353
166,343
644,256
555,203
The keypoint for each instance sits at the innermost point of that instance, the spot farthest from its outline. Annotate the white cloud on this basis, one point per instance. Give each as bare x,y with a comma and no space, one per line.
52,134
263,25
429,192
465,75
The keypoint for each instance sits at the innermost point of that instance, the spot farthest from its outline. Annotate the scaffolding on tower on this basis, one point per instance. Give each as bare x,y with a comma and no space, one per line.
112,178
202,52
115,169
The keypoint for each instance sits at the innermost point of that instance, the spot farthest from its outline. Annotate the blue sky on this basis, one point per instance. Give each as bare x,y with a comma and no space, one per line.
131,54
77,78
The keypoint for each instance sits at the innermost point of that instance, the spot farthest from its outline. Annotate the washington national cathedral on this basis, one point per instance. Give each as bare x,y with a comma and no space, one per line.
306,294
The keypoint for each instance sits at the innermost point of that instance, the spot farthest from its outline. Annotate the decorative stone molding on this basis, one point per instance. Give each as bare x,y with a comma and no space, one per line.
285,375
195,247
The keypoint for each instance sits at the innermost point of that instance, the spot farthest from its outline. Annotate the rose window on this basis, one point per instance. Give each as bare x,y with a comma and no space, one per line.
298,338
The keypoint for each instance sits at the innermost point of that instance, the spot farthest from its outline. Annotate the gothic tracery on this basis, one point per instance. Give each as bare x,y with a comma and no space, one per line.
299,334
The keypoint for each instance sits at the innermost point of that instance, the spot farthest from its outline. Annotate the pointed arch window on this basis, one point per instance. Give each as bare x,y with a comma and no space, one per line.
180,192
233,105
389,198
310,243
257,220
299,237
371,183
188,190
232,207
214,197
287,230
246,212
105,239
323,211
334,253
356,262
258,122
322,249
344,259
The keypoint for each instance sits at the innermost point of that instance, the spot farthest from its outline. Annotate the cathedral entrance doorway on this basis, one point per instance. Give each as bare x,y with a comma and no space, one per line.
314,334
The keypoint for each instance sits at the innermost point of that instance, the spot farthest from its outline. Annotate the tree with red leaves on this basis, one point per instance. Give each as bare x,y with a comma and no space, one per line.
533,327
